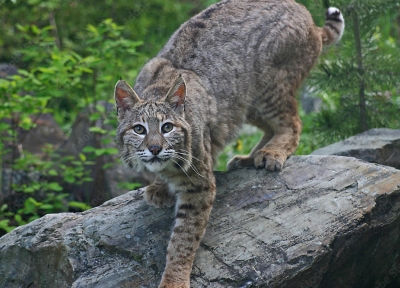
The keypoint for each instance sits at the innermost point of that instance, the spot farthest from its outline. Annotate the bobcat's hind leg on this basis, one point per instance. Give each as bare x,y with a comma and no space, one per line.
282,126
248,160
286,125
158,195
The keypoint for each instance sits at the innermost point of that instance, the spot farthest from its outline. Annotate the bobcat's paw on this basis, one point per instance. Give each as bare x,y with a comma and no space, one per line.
272,160
239,161
158,196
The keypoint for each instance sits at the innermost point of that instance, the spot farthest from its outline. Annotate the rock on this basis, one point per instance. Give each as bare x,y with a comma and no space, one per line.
7,70
47,131
309,102
380,146
8,196
323,221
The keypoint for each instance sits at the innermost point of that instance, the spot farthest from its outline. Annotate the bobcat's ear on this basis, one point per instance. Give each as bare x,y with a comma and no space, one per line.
124,96
176,95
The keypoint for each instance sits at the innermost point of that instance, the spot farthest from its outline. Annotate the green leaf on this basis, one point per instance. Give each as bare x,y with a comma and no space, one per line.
4,126
62,196
69,158
33,218
129,186
47,207
88,149
4,225
19,219
79,205
32,201
92,29
3,208
97,130
35,29
95,116
111,151
82,157
52,172
99,151
106,151
100,108
54,186
69,178
108,165
4,222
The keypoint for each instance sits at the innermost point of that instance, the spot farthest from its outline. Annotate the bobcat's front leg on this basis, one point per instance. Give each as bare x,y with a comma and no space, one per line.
193,207
158,195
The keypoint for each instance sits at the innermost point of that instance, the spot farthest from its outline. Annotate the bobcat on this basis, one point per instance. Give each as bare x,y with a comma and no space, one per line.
237,61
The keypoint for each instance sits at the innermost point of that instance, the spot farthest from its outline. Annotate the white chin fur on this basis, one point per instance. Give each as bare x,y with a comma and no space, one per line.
156,166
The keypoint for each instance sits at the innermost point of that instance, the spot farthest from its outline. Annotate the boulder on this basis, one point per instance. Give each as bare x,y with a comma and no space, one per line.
7,70
308,101
323,221
47,131
379,145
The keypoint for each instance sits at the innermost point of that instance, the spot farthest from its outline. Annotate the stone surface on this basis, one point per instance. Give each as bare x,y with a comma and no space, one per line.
46,132
380,146
7,70
323,221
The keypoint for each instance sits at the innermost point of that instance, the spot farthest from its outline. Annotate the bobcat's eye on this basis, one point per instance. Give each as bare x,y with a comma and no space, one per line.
167,127
139,129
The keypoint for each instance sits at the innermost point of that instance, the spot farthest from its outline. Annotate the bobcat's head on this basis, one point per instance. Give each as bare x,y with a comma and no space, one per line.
153,134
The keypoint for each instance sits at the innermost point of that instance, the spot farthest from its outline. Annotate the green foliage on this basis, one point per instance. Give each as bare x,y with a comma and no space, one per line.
59,78
43,194
242,146
70,55
358,78
129,186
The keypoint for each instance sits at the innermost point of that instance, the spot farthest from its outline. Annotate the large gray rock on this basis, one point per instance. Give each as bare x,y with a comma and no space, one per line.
379,145
323,221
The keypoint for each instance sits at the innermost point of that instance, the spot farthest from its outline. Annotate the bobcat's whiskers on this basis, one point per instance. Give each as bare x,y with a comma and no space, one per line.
130,160
177,156
182,169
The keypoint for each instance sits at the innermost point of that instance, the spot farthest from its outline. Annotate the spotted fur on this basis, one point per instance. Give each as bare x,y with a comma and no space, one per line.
238,61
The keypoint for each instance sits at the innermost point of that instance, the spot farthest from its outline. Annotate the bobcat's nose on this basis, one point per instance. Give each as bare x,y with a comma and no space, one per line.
155,149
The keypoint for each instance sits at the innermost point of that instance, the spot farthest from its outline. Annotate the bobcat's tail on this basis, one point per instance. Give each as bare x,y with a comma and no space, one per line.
333,29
